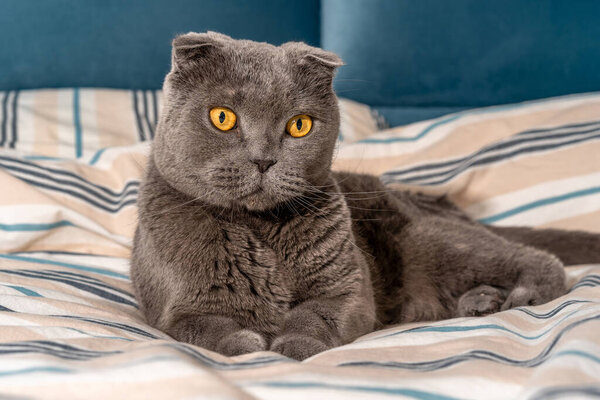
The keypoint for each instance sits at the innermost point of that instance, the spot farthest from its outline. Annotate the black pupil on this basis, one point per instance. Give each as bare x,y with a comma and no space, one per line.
299,124
222,117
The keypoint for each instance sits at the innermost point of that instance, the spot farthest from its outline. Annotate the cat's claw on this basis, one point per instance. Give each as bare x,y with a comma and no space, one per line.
297,346
479,301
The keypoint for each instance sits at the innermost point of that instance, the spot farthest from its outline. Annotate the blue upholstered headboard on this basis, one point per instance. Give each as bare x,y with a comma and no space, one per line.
409,59
126,43
427,57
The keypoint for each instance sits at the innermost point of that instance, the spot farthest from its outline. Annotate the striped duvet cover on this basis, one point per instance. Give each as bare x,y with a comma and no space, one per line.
70,166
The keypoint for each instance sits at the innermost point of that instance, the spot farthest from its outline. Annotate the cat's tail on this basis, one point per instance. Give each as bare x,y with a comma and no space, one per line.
571,247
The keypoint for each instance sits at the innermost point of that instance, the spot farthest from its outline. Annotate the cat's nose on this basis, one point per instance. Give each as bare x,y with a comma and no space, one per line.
263,165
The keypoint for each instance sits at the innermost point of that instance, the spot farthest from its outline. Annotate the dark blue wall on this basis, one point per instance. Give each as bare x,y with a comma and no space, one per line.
126,43
410,59
436,53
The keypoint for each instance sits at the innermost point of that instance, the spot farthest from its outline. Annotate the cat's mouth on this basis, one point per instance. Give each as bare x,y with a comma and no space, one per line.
259,197
258,190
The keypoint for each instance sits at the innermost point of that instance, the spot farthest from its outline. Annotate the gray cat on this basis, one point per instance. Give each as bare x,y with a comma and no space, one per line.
247,241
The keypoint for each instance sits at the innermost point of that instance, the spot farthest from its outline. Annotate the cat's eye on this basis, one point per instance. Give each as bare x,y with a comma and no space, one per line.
223,118
299,125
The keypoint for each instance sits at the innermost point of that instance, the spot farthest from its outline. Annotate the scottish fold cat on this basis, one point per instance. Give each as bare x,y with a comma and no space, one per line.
247,240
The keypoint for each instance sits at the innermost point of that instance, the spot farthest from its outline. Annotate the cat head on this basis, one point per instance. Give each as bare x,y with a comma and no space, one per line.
246,124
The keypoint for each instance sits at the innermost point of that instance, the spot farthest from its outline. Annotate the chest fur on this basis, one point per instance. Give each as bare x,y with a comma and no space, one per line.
253,271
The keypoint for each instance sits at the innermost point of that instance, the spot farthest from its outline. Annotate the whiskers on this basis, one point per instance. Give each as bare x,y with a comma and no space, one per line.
301,195
180,205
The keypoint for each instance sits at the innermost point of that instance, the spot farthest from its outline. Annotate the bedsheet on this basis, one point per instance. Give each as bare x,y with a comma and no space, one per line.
70,166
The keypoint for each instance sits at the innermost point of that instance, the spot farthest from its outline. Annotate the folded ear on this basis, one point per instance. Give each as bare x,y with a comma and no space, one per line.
305,53
326,58
192,47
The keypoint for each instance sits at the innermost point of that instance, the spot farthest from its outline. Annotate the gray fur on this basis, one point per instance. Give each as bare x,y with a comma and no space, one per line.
299,259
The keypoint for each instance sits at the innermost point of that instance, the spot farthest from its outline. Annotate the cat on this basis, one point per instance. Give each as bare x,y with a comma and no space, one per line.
247,241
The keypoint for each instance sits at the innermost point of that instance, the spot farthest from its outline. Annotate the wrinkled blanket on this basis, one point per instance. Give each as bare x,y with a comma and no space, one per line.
70,167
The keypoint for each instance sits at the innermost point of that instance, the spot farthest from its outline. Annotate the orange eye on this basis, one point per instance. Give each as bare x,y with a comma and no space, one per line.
223,118
299,125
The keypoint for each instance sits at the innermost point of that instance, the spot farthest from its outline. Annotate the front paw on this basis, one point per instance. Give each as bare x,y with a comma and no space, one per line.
241,342
482,300
522,296
297,346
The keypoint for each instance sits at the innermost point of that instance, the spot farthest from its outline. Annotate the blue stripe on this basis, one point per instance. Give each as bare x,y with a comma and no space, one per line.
62,277
42,158
92,189
432,365
25,291
65,351
458,328
444,121
15,103
578,353
413,138
96,156
539,203
473,162
118,205
56,349
155,107
412,393
552,312
98,336
34,227
143,361
588,281
74,275
65,278
487,156
521,137
63,264
77,123
477,111
567,392
93,288
23,371
138,120
542,130
4,118
124,327
65,253
49,171
147,115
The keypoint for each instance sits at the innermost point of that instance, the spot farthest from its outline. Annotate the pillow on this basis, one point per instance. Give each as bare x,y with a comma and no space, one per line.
534,163
80,123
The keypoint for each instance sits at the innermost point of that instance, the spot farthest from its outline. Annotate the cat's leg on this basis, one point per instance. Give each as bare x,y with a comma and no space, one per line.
571,247
456,258
420,298
217,333
308,329
319,324
541,278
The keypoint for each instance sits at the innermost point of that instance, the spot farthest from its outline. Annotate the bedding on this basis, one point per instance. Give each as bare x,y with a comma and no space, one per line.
70,166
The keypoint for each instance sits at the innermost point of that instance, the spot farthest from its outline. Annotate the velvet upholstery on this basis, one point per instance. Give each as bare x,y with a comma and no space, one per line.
410,60
462,53
126,44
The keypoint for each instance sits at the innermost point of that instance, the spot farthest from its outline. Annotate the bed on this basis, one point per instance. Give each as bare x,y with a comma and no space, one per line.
70,167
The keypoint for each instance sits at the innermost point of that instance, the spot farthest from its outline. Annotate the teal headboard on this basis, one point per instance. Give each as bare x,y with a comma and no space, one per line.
437,55
409,59
126,43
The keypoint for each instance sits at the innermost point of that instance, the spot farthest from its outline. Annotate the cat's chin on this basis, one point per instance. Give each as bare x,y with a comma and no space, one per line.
259,201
